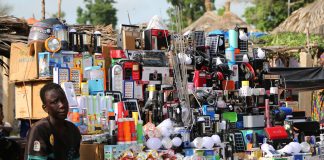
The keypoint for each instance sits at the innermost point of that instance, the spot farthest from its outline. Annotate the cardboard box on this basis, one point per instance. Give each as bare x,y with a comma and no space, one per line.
23,101
91,151
32,106
106,54
23,61
37,108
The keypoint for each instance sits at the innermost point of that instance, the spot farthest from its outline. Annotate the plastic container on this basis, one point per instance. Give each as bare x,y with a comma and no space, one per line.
230,55
233,38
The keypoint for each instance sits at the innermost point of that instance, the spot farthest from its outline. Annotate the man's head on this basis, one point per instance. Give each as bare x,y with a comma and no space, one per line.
54,101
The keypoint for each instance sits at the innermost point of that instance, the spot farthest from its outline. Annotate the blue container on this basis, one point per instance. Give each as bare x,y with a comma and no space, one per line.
230,55
233,38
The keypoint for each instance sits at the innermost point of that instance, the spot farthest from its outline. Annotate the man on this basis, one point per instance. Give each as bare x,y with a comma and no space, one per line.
53,137
5,127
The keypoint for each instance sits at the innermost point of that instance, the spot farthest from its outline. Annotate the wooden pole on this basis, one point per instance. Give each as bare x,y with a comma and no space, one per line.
208,5
59,9
43,9
7,93
305,97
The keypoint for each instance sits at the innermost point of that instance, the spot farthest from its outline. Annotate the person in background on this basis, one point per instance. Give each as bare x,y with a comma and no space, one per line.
53,137
5,127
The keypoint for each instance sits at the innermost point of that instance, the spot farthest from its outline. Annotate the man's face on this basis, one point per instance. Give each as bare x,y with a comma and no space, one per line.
56,104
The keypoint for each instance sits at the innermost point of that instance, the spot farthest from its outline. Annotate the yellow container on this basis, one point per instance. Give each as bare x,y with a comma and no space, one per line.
245,83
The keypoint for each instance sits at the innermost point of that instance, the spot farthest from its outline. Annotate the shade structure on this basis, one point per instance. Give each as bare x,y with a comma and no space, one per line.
310,16
210,21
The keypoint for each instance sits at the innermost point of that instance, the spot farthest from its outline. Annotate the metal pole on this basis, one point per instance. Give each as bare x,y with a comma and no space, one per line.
288,8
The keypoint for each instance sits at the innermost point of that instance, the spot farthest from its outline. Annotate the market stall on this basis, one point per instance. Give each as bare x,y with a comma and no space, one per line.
159,94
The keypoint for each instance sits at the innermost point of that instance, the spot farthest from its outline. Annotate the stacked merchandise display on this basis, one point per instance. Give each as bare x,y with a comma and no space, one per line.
172,96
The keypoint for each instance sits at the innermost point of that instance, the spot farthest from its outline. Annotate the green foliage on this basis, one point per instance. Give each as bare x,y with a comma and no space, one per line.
97,12
291,39
221,11
55,15
265,15
190,11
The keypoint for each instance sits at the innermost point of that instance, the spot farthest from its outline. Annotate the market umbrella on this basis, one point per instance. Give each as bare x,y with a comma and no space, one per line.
310,17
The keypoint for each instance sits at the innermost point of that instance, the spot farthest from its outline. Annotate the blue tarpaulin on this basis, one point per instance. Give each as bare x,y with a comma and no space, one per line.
225,33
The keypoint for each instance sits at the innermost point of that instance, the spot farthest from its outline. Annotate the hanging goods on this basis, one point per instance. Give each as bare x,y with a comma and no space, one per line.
116,55
246,72
52,44
131,70
276,133
84,42
70,94
199,39
76,79
61,75
155,75
230,55
60,31
221,43
156,39
200,78
253,121
243,39
213,43
129,37
117,78
73,40
238,141
44,69
96,86
97,42
128,89
233,38
267,113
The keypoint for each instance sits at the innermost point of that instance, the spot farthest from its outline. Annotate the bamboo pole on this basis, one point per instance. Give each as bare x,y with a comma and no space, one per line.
43,9
59,9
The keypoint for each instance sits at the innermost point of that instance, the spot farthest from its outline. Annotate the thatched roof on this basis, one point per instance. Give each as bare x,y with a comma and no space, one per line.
310,17
211,21
12,29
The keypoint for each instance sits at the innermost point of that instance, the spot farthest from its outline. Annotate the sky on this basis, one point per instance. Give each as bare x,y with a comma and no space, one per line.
140,11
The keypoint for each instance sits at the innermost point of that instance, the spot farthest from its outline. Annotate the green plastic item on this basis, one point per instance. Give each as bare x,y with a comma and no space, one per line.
230,116
139,132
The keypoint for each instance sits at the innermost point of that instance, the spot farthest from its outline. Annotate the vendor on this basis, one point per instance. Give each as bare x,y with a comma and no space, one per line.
53,137
5,127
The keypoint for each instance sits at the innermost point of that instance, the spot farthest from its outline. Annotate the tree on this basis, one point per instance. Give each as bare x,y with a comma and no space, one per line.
55,15
266,15
4,9
97,12
190,11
